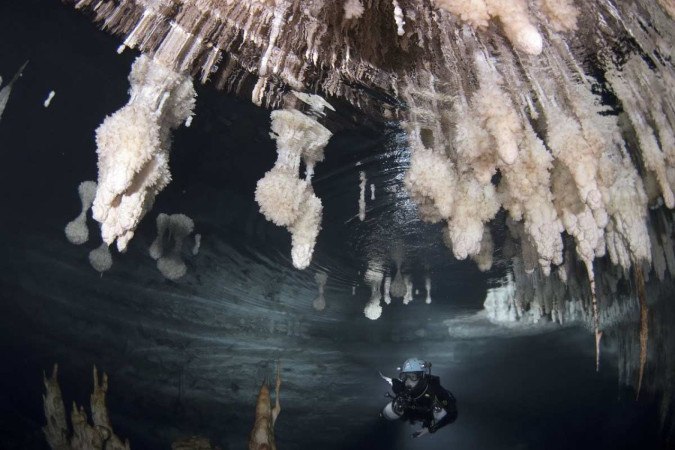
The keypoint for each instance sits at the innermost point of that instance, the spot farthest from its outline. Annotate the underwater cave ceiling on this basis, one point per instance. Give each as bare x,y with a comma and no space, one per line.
213,189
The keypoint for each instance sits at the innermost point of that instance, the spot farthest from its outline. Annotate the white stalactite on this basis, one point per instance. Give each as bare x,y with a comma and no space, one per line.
373,277
197,245
362,196
398,18
669,7
513,16
169,260
319,302
133,148
644,99
408,296
562,14
286,199
49,99
7,89
427,286
387,290
484,257
76,230
431,180
353,9
398,285
495,112
100,258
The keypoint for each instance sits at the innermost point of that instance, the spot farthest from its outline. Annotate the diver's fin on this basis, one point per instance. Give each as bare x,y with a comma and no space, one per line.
387,379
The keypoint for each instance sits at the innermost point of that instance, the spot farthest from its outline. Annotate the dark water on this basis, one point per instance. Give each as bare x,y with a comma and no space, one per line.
187,357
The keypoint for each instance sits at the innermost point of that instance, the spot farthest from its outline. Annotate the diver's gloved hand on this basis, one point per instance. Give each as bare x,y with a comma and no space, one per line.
421,432
399,404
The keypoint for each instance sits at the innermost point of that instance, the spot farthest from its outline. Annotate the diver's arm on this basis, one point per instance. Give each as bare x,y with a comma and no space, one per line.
449,404
397,386
396,408
421,432
440,424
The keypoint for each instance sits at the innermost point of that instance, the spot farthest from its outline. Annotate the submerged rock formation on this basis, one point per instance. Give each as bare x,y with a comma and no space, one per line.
97,433
193,443
82,434
262,434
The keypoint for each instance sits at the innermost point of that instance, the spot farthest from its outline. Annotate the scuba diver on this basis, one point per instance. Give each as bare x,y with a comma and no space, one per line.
419,397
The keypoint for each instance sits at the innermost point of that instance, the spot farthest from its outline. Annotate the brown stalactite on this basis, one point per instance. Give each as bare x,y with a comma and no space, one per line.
644,323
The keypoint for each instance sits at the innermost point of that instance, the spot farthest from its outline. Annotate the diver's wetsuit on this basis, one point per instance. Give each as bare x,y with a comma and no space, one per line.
420,403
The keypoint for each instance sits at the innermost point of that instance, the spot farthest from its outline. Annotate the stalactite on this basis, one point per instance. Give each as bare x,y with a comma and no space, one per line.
398,18
362,196
644,324
76,230
562,14
353,9
398,287
286,199
133,148
100,258
408,296
596,319
48,100
669,6
319,302
174,229
7,89
373,276
513,17
484,258
427,286
645,112
387,290
197,245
